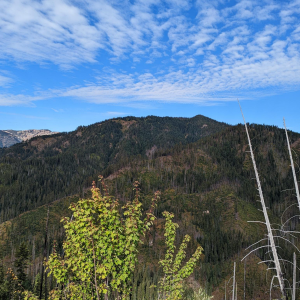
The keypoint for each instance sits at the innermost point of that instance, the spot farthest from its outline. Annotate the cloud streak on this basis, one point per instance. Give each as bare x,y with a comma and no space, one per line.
4,80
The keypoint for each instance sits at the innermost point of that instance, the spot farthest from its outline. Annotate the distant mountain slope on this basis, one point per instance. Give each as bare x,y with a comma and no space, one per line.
46,168
11,137
7,139
207,184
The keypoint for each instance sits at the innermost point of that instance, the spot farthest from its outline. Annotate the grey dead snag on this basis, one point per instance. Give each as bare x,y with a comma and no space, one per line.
233,285
298,201
292,165
295,181
294,276
245,279
267,222
233,291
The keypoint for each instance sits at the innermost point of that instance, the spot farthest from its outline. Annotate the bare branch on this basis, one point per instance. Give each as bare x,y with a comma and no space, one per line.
256,243
263,261
289,219
254,250
256,222
287,190
288,232
286,210
287,241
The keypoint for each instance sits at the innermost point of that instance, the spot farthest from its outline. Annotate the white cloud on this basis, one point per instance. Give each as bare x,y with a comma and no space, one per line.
46,31
58,110
231,50
5,81
115,113
211,82
20,99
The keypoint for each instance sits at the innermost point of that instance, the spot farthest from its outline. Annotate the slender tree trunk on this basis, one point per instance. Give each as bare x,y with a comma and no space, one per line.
294,276
44,256
269,229
245,279
292,165
106,295
33,258
233,285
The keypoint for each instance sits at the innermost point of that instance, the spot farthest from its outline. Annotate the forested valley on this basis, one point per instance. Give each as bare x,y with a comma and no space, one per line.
203,171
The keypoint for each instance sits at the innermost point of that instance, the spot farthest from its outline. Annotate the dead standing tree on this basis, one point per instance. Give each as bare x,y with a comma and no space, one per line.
292,165
234,285
298,202
284,229
271,243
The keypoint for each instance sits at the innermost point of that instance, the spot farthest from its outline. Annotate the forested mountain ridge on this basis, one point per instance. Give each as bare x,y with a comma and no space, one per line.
208,185
131,135
47,168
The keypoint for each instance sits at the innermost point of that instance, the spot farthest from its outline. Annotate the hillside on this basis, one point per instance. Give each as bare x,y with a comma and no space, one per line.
207,184
43,169
11,137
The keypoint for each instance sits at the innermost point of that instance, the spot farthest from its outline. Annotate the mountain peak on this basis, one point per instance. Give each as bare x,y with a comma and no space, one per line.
10,137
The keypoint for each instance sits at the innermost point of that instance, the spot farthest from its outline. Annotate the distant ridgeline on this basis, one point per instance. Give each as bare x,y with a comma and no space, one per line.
202,168
11,137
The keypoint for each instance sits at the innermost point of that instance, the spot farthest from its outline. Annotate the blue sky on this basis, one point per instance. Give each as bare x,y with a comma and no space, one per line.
69,63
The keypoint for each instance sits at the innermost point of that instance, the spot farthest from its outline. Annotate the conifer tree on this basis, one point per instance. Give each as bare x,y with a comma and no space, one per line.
21,264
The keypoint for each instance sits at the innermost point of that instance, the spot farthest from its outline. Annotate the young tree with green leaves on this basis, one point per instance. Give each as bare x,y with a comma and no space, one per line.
101,247
171,286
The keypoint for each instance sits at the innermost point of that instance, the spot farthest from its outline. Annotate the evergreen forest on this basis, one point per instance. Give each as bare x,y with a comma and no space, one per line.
203,172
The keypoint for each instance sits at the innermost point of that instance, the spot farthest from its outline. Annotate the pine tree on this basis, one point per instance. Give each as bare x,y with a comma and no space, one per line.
21,264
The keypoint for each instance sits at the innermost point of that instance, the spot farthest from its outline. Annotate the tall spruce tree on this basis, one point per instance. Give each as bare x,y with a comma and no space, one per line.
21,264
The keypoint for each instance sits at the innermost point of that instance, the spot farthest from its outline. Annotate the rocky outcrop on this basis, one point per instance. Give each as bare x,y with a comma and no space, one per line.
11,137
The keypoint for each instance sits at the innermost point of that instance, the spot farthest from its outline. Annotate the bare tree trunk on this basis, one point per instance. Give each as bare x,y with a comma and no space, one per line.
294,276
269,229
292,165
233,285
245,279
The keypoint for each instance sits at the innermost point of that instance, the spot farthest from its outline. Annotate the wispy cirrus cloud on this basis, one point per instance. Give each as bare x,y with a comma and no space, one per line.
196,51
19,99
58,110
5,81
